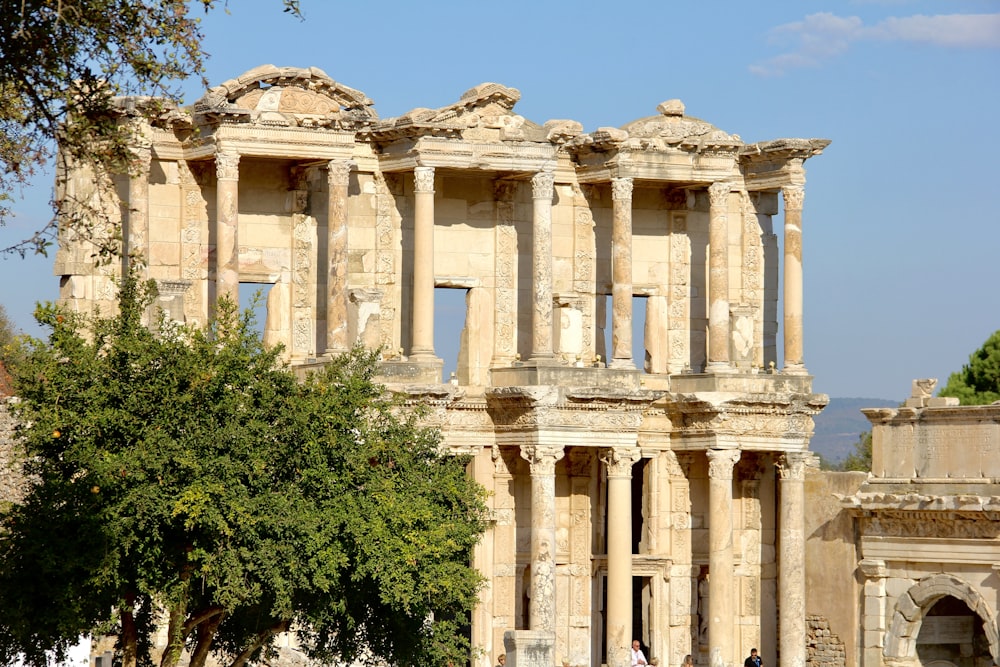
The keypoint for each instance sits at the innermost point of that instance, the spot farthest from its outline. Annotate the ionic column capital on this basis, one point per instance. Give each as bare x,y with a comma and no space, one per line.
338,172
543,185
621,189
619,460
423,179
721,463
792,466
793,196
227,165
542,458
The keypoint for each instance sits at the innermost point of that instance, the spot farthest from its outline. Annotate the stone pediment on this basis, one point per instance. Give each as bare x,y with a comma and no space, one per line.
670,129
483,113
287,97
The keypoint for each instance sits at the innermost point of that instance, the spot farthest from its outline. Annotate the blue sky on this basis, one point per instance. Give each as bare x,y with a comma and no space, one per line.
902,214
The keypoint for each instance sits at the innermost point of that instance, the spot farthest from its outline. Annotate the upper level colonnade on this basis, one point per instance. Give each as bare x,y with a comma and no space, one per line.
287,179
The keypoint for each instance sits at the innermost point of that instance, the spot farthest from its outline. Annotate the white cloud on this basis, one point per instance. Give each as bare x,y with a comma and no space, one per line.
822,36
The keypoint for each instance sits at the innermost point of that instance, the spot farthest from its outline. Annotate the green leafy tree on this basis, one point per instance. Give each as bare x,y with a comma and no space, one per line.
861,458
63,64
978,383
182,475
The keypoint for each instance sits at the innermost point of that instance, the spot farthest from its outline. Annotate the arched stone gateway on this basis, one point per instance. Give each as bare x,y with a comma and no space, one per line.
911,608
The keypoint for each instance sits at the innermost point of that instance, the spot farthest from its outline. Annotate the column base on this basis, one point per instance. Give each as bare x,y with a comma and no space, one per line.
717,367
794,369
621,363
530,648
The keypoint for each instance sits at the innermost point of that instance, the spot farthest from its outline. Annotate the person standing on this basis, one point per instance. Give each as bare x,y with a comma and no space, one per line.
754,659
501,659
637,657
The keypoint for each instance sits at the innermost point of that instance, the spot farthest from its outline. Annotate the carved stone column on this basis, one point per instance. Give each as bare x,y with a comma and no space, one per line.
137,236
422,348
793,196
541,254
338,179
621,273
718,278
873,611
792,560
542,459
721,576
619,462
227,269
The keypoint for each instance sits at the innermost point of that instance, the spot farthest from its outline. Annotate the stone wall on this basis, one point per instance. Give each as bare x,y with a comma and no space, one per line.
824,648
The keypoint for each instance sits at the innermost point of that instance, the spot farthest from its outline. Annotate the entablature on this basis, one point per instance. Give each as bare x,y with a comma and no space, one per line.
528,157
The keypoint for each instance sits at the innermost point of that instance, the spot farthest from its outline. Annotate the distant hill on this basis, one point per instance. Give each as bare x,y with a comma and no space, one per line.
841,423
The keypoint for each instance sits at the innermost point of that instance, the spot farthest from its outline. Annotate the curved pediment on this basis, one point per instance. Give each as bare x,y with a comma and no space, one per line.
288,96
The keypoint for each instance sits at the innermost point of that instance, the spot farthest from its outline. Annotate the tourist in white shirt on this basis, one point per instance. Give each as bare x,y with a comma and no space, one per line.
637,657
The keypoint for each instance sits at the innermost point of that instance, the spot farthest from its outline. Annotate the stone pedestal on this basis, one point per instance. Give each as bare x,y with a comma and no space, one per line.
529,648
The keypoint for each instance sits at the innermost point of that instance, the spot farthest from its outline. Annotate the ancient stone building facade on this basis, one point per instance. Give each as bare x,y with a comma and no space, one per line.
661,499
903,562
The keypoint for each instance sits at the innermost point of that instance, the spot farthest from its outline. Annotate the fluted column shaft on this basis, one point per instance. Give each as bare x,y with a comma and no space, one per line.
619,546
542,460
541,259
793,199
621,273
791,561
227,270
422,348
137,237
721,577
718,277
338,179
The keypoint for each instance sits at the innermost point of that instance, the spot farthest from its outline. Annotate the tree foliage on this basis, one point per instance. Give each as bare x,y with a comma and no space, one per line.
861,458
63,62
978,383
182,475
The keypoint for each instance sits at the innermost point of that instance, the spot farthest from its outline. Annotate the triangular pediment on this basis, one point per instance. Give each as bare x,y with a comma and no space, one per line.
288,96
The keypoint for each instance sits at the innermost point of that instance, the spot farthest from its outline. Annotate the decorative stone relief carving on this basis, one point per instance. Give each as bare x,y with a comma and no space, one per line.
227,165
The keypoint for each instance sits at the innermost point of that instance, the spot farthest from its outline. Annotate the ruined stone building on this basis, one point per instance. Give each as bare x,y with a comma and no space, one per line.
905,563
660,498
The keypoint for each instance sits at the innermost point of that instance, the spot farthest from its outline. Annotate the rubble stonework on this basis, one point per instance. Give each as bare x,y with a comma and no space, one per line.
824,648
659,498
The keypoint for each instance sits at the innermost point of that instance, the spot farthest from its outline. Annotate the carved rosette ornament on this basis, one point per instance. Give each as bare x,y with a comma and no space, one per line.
543,185
721,463
423,179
